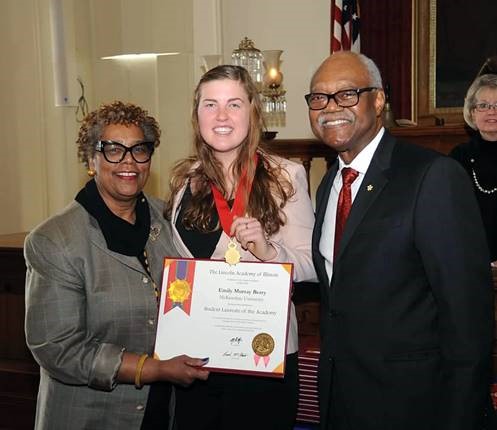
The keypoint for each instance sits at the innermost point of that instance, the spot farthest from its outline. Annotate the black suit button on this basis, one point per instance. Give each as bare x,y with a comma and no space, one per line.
332,313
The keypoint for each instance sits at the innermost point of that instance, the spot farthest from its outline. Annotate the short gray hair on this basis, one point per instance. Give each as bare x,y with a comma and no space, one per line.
373,71
371,67
483,81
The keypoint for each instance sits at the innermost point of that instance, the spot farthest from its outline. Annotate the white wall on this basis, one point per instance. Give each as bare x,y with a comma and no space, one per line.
39,170
300,28
37,137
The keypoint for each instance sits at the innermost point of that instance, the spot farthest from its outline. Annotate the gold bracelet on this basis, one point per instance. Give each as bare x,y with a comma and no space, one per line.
139,368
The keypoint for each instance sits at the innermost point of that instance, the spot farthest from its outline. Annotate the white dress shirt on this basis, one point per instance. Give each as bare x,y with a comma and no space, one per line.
361,164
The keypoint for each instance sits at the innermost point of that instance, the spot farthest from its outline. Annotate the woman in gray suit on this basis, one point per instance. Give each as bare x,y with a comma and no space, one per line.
92,288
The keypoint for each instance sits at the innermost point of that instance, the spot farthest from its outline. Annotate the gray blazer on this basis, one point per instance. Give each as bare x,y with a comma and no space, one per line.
85,305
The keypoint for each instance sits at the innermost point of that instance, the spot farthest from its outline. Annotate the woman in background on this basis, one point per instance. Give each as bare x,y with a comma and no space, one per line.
479,155
479,159
93,272
273,223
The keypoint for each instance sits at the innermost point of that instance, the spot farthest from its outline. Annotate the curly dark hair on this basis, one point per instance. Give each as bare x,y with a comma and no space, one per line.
117,112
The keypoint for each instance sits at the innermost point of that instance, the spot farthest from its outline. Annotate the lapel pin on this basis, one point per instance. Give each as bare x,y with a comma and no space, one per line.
154,232
369,187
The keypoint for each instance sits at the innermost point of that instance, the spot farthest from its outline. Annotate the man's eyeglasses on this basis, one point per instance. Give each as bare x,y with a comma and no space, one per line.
114,152
484,107
343,98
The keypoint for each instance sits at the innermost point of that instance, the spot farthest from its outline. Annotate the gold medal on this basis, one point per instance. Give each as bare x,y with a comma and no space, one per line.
227,214
263,344
232,256
179,290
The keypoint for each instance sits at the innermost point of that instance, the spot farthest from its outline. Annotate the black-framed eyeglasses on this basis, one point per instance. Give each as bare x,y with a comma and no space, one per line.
484,107
114,152
343,98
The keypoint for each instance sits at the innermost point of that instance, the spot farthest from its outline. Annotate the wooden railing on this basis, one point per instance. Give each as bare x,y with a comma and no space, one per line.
439,138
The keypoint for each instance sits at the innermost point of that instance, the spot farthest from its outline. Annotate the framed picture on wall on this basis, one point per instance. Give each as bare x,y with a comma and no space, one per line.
454,38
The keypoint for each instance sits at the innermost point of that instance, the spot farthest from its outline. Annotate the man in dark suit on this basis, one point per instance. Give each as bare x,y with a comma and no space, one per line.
407,301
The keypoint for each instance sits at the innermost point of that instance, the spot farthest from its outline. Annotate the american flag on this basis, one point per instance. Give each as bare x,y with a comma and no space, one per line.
345,26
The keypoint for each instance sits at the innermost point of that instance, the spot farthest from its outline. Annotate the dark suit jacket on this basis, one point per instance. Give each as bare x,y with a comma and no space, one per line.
407,319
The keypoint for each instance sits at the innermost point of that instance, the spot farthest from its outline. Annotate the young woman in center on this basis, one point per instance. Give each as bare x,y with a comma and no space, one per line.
271,219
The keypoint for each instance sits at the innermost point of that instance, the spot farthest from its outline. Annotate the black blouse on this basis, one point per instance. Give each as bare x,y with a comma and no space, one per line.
479,159
200,244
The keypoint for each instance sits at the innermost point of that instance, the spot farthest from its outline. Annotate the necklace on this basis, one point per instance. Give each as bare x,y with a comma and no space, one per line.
227,215
480,188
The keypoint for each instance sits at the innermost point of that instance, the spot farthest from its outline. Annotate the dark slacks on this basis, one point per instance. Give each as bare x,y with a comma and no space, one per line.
226,402
339,419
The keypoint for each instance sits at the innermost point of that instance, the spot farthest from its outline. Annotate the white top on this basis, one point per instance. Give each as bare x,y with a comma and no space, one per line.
361,164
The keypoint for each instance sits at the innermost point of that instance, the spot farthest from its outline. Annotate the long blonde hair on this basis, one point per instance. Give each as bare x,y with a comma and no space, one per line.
270,186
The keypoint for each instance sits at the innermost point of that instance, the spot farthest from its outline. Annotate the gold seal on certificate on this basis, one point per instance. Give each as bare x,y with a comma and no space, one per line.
179,290
232,256
263,344
235,315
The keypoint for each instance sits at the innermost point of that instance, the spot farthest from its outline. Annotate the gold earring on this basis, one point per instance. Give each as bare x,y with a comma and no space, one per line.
91,172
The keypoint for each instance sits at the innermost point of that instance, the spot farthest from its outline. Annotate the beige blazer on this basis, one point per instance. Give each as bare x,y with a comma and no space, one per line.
85,305
293,240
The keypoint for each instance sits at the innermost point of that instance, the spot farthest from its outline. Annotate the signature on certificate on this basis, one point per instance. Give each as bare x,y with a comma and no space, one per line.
234,354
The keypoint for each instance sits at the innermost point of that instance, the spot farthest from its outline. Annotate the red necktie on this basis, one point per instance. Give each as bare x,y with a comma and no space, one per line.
344,204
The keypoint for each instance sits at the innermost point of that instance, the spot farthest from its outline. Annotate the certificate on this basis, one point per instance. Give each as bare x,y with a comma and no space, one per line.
237,316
